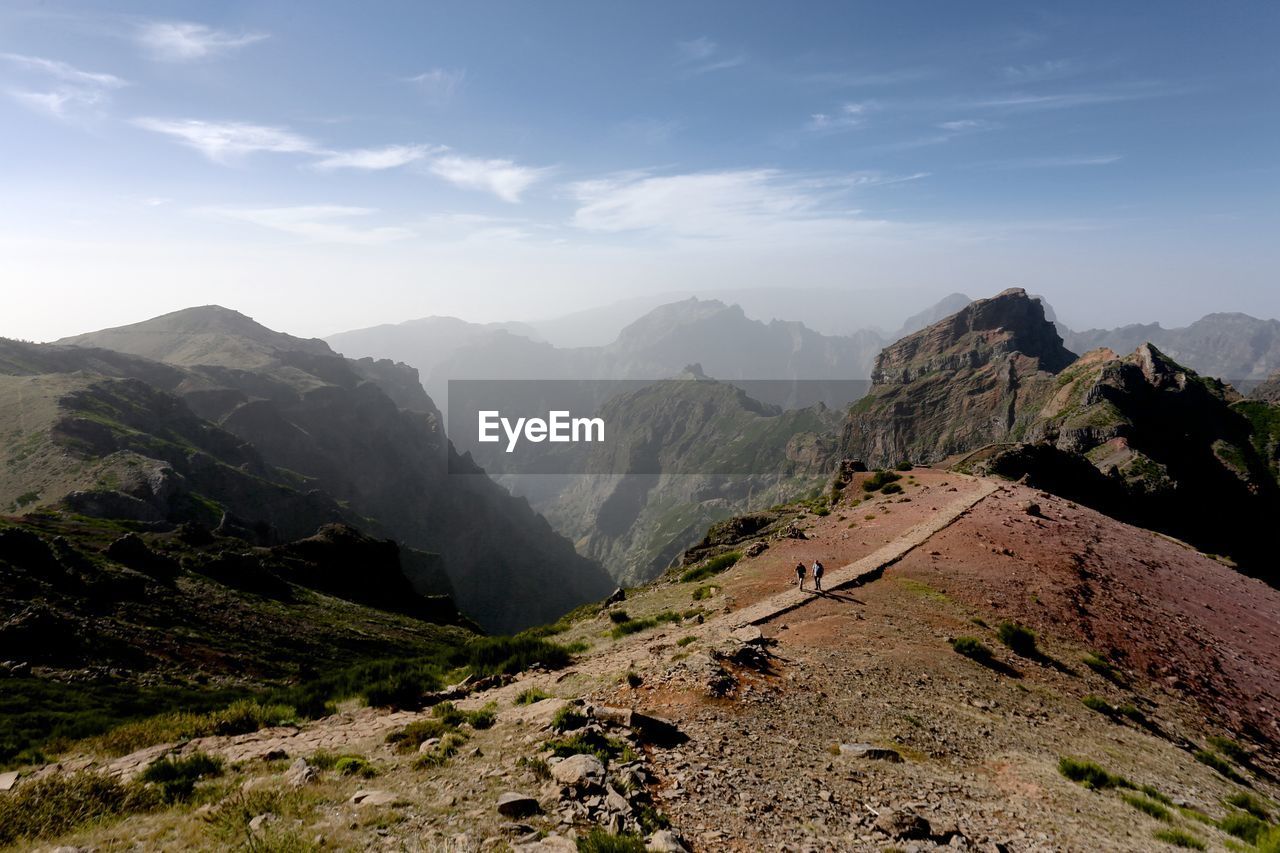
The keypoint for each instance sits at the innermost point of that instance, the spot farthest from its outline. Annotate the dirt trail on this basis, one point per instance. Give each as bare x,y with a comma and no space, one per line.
864,569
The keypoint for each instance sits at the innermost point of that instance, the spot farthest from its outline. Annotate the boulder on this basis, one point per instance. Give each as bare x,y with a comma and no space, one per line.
8,780
579,771
513,804
665,841
373,798
615,802
300,773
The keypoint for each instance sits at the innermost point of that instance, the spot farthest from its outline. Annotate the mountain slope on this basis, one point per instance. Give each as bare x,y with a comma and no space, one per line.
1139,436
1230,347
846,720
963,382
720,337
684,454
365,434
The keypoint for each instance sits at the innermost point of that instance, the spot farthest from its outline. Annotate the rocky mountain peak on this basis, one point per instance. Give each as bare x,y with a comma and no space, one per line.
1009,322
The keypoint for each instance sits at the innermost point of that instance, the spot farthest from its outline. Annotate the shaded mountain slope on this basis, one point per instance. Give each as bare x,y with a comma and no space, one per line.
366,434
689,452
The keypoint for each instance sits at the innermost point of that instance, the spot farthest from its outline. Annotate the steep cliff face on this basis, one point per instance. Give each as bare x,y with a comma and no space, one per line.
364,433
1139,436
971,379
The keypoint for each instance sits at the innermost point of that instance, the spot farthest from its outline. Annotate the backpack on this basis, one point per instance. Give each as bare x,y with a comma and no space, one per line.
817,569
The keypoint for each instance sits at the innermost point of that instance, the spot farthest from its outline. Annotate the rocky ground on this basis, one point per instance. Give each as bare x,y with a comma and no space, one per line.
846,723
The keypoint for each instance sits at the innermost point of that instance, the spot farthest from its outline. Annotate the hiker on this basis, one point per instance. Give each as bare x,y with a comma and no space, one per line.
800,575
817,575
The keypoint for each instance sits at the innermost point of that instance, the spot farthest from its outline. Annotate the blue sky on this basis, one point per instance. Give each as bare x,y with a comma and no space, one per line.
322,166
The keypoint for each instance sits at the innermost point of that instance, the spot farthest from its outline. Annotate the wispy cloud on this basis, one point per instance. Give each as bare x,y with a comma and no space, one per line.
847,117
504,178
1064,100
967,125
1049,69
438,83
376,159
326,223
228,141
1057,162
184,41
741,204
59,87
702,55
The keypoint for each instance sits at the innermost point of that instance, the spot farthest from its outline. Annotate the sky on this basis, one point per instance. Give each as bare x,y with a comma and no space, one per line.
327,166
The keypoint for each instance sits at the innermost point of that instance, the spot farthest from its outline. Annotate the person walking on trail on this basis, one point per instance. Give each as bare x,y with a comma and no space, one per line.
818,568
800,575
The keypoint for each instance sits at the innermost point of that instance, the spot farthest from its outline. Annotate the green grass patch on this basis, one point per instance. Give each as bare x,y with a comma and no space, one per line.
1154,793
602,746
972,648
409,738
1148,806
684,641
702,593
236,719
635,626
879,480
355,765
1249,803
1097,703
1090,775
176,777
600,840
1179,838
1231,749
1244,826
1103,667
530,695
712,567
56,805
568,718
1019,638
1220,764
1269,841
440,754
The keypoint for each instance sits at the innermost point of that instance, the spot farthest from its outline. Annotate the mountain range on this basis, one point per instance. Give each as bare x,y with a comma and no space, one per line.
206,416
